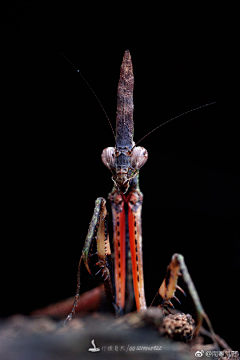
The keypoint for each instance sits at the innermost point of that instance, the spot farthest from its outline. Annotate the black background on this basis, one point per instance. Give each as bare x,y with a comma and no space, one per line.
54,132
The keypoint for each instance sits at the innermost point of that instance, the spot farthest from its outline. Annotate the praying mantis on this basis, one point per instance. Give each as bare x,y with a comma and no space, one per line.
124,280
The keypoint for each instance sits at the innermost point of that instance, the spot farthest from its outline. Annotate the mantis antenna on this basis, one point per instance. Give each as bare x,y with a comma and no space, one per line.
168,121
91,91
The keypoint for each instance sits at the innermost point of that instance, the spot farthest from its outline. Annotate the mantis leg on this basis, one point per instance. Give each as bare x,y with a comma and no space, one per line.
96,253
169,285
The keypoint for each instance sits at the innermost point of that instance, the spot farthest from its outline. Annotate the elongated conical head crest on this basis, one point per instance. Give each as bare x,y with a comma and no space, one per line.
124,123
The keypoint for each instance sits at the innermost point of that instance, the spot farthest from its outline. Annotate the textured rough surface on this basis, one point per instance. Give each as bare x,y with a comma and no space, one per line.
178,327
137,335
25,338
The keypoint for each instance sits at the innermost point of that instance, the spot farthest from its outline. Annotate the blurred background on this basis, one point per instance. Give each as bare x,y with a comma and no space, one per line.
54,132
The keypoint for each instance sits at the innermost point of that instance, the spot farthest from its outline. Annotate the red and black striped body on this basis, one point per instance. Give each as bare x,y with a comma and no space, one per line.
127,240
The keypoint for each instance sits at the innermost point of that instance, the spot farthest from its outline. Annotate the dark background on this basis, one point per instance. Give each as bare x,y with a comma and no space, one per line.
54,132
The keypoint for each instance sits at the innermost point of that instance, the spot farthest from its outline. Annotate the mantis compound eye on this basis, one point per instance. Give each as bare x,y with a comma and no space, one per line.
138,157
108,157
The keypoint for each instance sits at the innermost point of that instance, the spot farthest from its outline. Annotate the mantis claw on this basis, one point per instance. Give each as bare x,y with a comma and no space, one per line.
177,299
182,291
98,272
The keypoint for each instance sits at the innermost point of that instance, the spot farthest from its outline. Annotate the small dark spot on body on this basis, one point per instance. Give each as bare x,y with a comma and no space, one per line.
135,241
135,224
136,258
118,223
118,233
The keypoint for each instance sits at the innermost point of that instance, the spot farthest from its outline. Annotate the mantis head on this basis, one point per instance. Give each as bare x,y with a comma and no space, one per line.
124,164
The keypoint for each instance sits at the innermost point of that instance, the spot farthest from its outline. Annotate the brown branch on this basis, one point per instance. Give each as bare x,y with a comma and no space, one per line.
88,302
